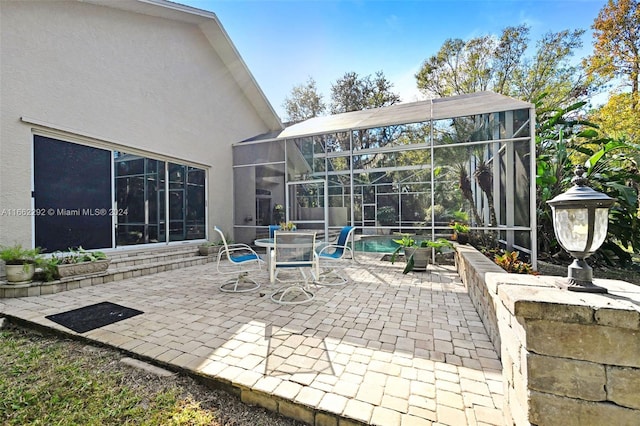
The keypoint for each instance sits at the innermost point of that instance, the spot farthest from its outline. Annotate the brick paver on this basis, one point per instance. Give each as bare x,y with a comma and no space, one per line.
385,348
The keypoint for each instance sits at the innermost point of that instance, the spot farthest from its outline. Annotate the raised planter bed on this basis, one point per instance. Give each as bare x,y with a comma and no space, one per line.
82,268
208,250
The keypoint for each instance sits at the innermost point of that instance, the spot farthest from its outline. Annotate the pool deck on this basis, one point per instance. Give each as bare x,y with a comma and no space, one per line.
385,349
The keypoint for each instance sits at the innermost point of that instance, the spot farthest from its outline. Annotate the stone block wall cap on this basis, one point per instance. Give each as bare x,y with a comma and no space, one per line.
554,304
499,279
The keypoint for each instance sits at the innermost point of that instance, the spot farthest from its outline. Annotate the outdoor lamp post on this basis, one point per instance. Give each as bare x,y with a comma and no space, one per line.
580,220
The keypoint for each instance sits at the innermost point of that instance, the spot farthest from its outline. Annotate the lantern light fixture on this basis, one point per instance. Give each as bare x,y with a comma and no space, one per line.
580,221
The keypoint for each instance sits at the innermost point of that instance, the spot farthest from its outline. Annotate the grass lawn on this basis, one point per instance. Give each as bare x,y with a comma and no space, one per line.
47,380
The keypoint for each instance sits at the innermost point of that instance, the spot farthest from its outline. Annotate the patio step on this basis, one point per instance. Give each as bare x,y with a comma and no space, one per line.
124,265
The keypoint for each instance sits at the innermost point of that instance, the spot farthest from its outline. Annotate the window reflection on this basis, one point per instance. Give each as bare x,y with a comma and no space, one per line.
141,192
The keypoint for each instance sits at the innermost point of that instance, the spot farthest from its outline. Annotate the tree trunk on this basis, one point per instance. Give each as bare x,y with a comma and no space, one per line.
465,186
484,177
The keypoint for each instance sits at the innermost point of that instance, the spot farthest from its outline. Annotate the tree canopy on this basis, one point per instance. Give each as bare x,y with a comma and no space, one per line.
354,93
499,64
618,118
304,102
616,53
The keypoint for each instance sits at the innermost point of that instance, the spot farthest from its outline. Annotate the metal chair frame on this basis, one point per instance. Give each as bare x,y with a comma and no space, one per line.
293,250
241,260
334,255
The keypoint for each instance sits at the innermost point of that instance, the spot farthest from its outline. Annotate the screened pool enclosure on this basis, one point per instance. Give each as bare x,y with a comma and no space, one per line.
409,168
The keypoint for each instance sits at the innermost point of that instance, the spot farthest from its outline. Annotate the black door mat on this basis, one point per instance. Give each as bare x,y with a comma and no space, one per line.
95,316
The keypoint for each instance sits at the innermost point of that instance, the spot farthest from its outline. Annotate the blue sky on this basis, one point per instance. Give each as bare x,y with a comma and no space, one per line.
287,41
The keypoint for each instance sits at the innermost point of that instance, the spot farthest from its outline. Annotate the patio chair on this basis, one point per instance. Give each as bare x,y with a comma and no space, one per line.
332,256
239,259
293,250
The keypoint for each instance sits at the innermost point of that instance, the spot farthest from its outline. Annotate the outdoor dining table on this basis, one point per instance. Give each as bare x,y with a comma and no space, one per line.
269,244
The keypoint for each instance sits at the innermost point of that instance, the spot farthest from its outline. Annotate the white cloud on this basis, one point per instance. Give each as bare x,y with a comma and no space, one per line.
405,85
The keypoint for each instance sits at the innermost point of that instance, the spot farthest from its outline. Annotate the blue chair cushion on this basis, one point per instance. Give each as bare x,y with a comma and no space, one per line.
244,258
342,239
337,254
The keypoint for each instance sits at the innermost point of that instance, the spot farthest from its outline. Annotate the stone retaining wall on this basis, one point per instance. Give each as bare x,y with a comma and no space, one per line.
472,267
567,358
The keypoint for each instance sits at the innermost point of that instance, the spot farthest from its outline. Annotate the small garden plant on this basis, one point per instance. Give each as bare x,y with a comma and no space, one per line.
49,265
78,255
459,228
509,262
17,255
288,226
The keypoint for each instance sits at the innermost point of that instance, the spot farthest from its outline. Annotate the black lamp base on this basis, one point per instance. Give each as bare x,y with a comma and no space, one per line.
582,287
580,278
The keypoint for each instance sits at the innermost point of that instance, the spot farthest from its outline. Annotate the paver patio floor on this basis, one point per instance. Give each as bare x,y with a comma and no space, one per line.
386,348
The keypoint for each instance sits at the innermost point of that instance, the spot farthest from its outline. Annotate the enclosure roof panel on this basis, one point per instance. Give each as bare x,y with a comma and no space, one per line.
404,113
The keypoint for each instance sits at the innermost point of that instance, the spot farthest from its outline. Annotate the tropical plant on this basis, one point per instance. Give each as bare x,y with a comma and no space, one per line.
553,166
439,245
509,262
459,228
484,177
407,241
460,232
48,268
614,173
563,139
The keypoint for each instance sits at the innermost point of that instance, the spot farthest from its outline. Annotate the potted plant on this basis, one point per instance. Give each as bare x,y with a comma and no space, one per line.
460,232
278,213
78,262
20,263
405,244
417,253
288,226
441,246
210,248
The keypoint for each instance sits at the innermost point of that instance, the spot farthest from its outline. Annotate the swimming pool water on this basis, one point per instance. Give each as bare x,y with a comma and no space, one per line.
375,244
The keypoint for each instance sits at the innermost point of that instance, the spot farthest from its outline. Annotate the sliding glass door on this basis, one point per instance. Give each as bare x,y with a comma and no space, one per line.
140,190
72,187
143,201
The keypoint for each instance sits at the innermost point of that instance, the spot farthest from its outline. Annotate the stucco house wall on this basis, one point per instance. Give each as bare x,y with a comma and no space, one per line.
152,78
